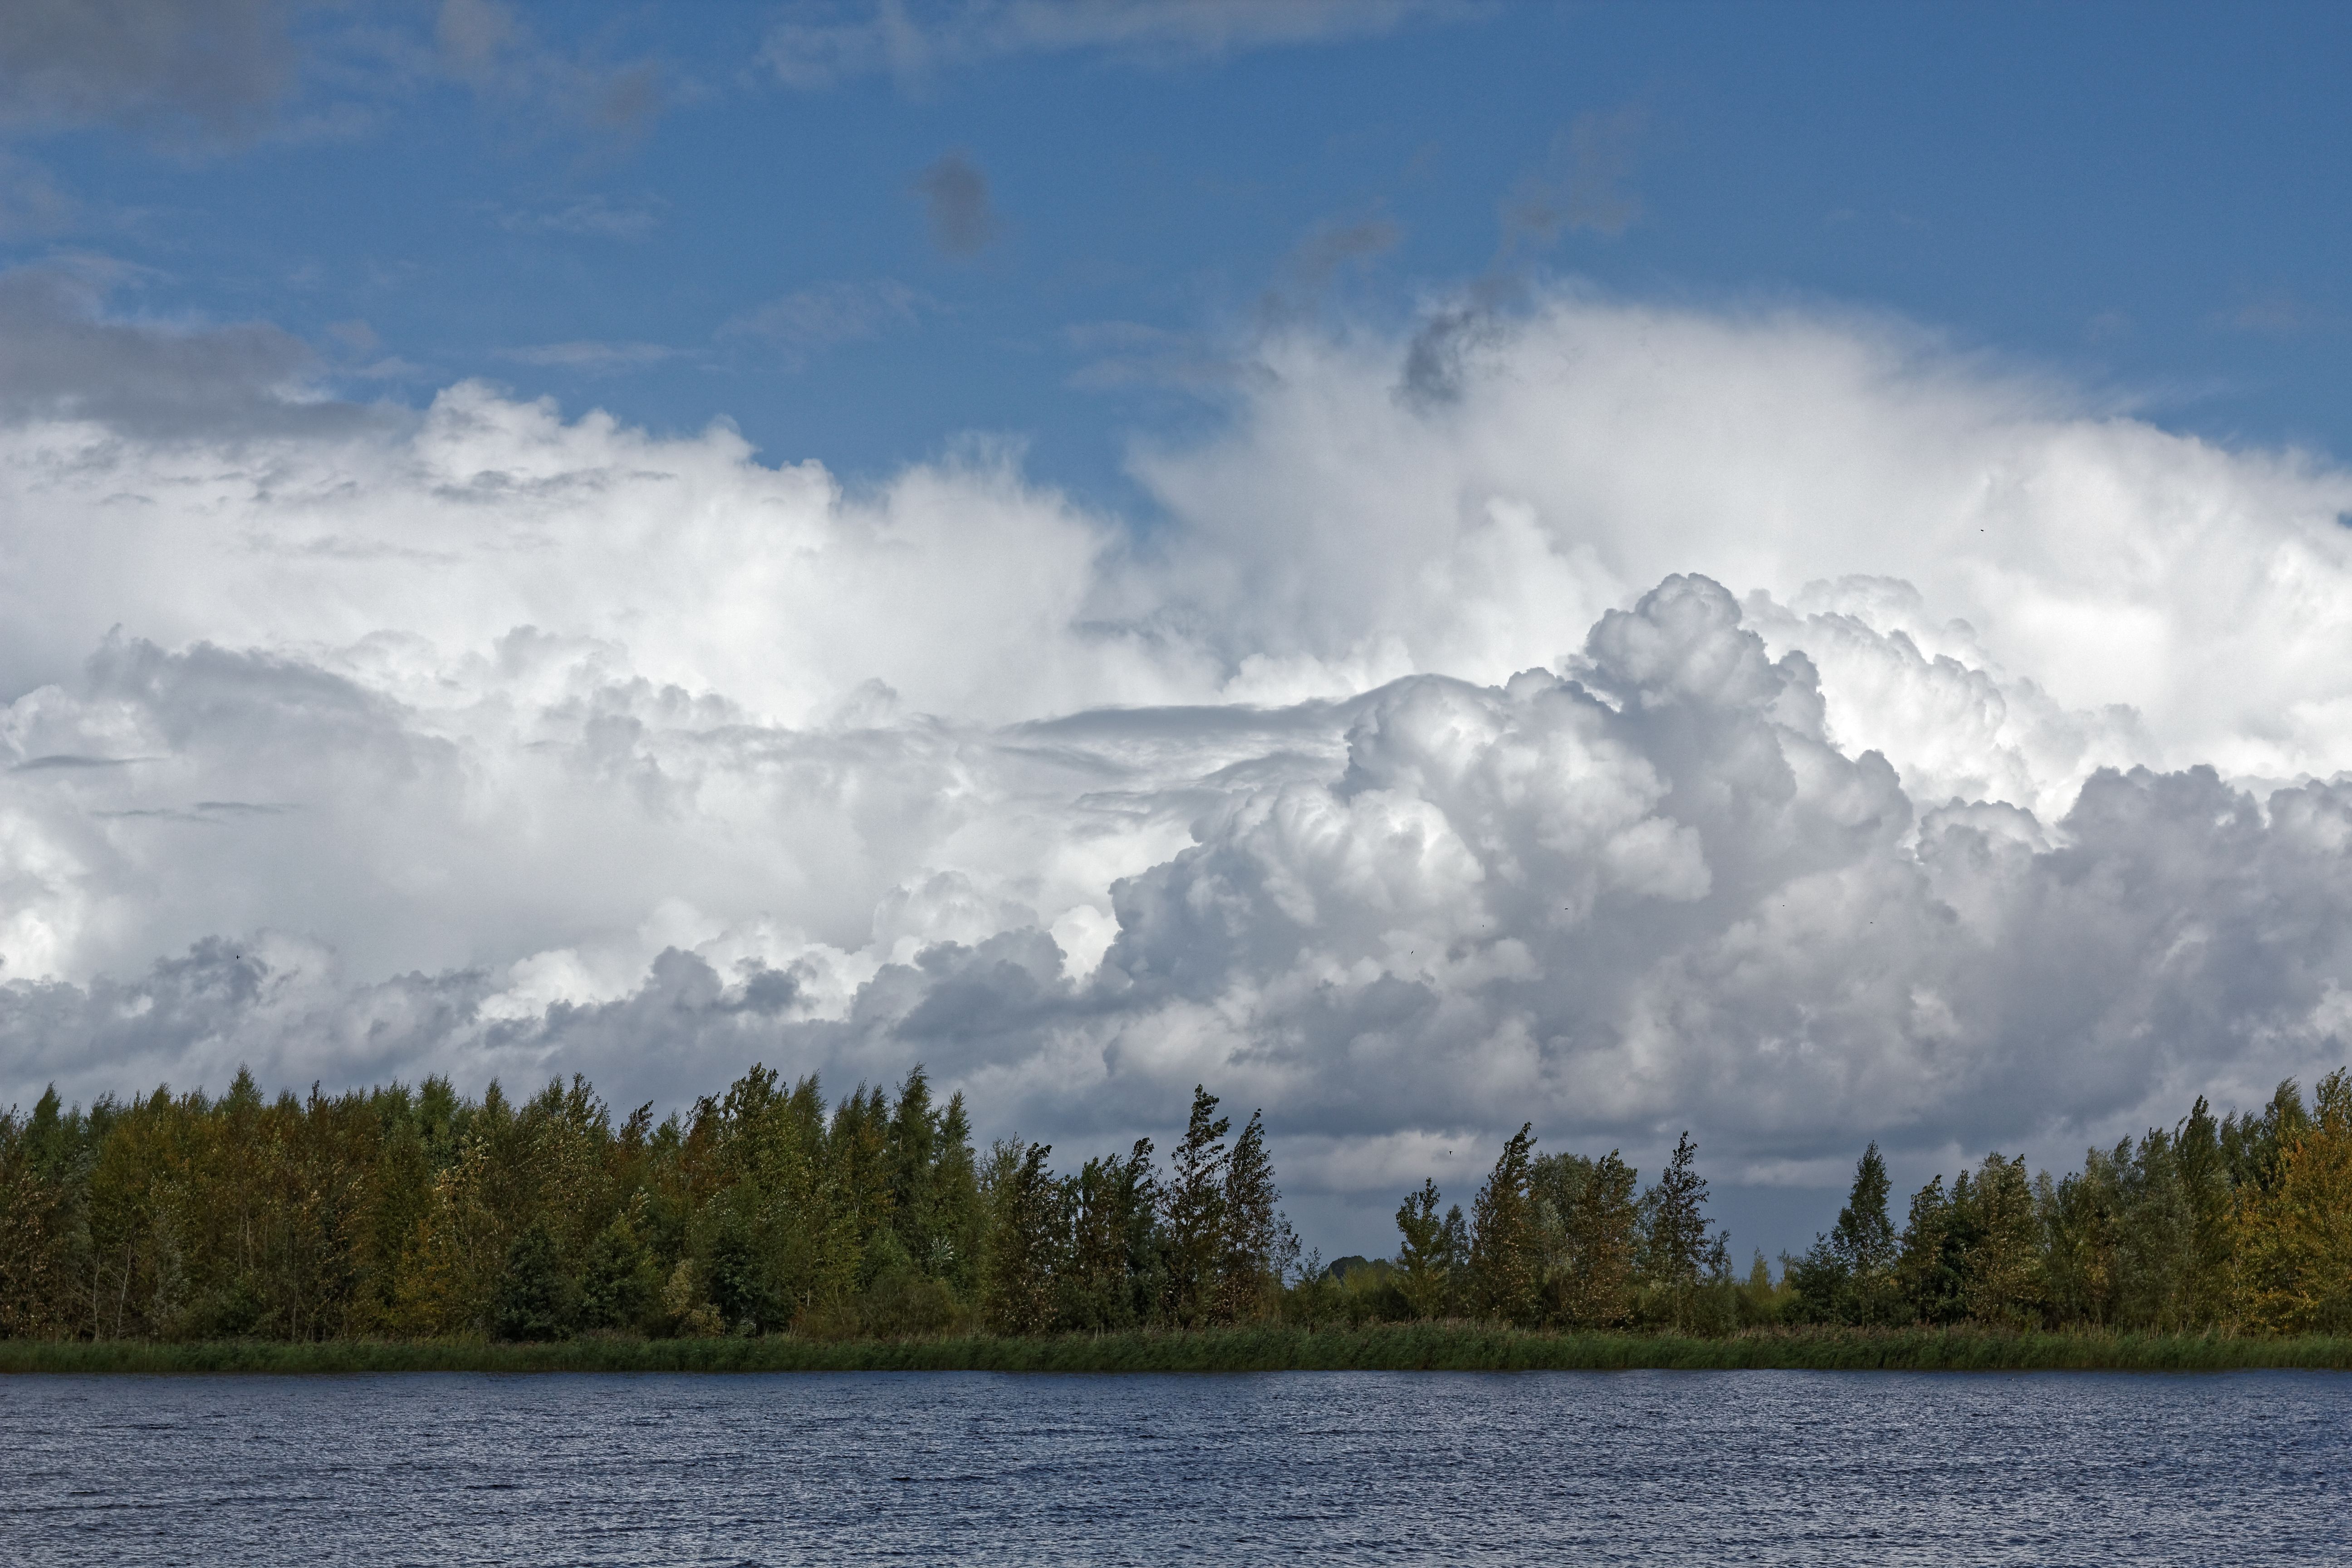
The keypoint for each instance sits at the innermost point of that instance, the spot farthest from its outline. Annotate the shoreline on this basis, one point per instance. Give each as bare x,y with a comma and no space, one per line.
1446,1347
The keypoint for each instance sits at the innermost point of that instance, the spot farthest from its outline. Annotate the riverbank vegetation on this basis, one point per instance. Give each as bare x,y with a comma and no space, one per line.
405,1227
1276,1347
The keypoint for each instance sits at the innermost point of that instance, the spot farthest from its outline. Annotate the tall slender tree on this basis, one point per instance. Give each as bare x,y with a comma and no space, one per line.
1503,1257
1257,1239
1849,1275
1024,1250
1427,1262
1195,1213
1676,1254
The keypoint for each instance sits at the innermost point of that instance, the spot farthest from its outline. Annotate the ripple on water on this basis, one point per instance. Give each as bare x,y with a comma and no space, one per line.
1627,1468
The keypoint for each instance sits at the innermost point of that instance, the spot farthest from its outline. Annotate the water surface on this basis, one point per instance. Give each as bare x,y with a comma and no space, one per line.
1567,1467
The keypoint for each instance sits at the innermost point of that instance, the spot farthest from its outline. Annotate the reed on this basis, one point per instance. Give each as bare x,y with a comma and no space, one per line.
1418,1347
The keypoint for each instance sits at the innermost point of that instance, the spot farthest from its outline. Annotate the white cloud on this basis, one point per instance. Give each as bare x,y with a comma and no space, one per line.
1384,784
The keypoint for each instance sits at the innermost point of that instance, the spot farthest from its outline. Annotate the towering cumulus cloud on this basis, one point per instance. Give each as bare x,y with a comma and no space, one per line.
1619,718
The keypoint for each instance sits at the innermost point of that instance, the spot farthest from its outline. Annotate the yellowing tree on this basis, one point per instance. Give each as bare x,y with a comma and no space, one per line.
2295,1238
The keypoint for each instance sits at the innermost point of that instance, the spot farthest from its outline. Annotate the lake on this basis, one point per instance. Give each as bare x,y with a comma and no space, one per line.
1566,1468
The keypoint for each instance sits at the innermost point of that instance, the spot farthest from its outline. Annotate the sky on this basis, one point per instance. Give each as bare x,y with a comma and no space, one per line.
1777,571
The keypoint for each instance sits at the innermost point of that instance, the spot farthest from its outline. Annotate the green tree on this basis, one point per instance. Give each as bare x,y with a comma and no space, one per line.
1112,1276
536,1300
912,1156
1849,1275
620,1282
1257,1243
1024,1244
1929,1265
957,1219
34,1266
1427,1260
2254,1143
2212,1232
1678,1256
1195,1212
2079,1215
2003,1275
1504,1256
1590,1221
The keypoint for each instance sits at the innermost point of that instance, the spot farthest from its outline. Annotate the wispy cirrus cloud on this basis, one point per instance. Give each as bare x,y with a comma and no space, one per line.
825,315
2283,314
492,47
593,356
596,216
1588,184
819,43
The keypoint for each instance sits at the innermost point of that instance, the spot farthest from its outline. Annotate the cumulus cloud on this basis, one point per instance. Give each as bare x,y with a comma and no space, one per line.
1765,722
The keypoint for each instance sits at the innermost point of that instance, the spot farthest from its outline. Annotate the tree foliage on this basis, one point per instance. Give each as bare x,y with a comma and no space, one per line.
404,1211
417,1213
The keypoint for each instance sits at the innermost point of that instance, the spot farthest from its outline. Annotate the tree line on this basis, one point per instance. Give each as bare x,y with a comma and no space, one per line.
420,1213
2240,1224
417,1213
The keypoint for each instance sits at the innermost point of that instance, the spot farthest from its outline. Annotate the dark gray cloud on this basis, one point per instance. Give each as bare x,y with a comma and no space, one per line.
61,357
221,69
955,203
1432,360
1438,356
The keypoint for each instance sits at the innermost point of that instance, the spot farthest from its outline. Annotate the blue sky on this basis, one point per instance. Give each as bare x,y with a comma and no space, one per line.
1775,569
2145,200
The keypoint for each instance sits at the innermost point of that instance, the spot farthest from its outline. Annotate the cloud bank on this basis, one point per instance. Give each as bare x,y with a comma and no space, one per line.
1770,722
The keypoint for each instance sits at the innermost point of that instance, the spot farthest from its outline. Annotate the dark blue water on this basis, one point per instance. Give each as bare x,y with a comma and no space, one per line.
1699,1467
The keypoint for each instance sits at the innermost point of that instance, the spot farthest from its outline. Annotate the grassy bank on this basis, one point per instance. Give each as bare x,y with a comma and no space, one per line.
1447,1347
